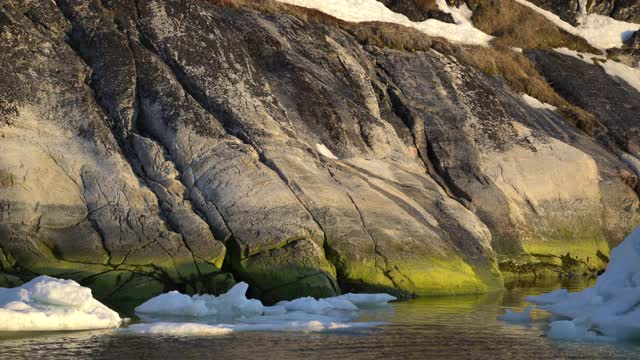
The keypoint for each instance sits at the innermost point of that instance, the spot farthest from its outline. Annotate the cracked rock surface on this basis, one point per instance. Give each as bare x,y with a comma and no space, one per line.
154,145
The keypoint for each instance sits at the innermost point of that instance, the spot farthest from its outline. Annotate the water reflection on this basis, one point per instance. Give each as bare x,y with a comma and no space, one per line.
441,328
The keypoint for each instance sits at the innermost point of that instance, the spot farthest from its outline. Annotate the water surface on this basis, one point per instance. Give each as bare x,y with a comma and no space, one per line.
462,327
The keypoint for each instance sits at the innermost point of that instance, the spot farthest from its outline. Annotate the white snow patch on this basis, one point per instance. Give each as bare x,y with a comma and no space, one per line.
609,310
600,31
604,32
624,72
324,151
537,104
372,10
517,317
216,315
613,68
464,11
443,6
48,304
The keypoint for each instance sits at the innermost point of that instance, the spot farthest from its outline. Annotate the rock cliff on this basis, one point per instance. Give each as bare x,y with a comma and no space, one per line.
164,144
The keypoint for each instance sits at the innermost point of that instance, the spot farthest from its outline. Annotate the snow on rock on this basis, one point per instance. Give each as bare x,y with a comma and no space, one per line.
517,317
48,304
324,151
217,315
600,31
613,68
609,310
537,104
604,32
372,10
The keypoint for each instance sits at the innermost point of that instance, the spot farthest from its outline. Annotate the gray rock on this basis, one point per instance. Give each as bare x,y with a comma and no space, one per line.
569,10
416,12
163,144
536,181
624,10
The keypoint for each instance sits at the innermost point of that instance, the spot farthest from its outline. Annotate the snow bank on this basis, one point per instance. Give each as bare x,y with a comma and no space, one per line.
517,317
537,104
48,304
604,32
372,10
600,31
628,74
216,315
610,309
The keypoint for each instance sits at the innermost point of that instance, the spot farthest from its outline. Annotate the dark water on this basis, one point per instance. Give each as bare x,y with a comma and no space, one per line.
435,328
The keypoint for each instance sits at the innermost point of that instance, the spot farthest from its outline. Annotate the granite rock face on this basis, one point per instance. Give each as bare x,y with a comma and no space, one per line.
155,145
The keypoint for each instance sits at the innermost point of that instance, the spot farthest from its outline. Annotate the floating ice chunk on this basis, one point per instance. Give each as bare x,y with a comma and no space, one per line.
232,311
607,310
167,328
274,310
234,304
48,304
566,330
517,317
226,307
177,329
367,300
306,326
548,298
320,306
176,304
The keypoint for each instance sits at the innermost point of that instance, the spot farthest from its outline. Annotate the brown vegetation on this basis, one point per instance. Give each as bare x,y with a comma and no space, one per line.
383,35
500,60
515,25
427,4
522,76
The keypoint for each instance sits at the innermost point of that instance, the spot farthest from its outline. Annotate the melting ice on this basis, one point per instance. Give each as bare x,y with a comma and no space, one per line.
609,310
176,313
47,304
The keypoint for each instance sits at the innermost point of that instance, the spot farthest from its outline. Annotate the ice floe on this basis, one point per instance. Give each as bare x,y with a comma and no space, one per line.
608,310
517,317
168,328
176,313
49,304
